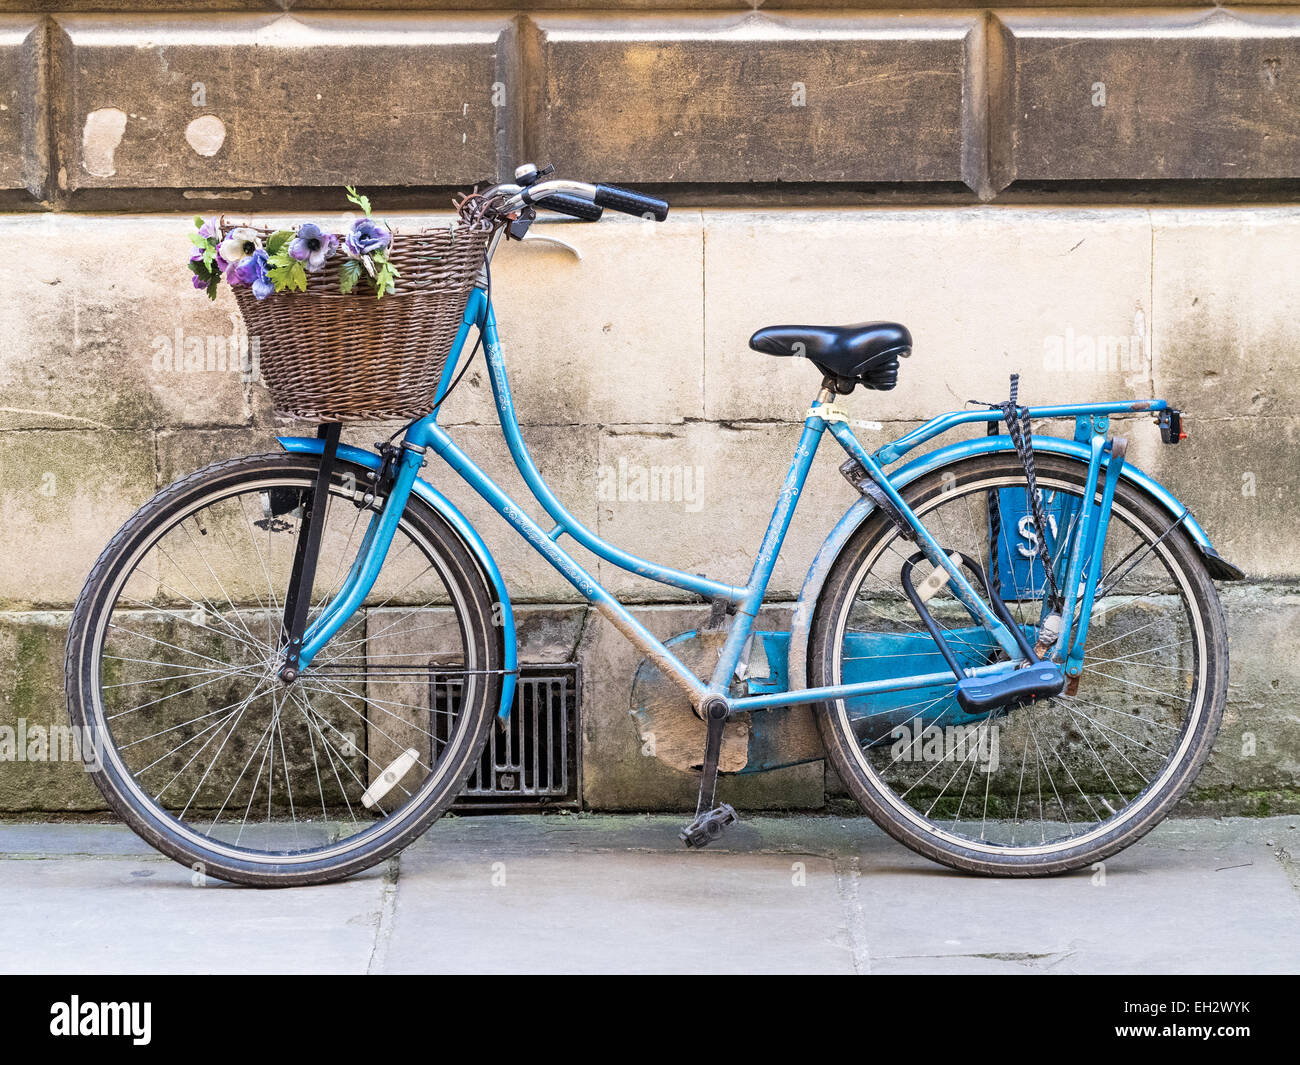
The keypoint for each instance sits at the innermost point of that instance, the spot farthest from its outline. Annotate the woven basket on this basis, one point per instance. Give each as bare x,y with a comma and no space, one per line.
333,358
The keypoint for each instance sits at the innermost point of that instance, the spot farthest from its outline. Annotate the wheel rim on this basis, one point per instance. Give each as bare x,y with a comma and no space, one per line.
204,759
1057,774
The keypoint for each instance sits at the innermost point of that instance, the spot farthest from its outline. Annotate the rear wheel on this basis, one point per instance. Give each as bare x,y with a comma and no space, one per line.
1059,783
191,736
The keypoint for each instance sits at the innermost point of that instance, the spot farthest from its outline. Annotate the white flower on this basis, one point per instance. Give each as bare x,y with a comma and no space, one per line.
239,244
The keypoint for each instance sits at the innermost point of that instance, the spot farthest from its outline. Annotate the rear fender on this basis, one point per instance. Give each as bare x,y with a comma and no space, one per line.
801,622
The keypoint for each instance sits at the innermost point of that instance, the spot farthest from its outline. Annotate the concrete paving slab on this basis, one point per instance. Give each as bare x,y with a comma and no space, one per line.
477,910
617,894
1194,897
127,914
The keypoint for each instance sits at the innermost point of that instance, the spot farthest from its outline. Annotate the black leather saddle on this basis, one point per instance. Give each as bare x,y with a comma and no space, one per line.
851,355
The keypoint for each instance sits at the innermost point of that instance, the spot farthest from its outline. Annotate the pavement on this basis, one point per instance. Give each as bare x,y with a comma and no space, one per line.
618,894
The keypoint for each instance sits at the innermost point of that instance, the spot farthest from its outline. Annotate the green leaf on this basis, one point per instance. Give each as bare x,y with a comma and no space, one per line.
278,240
197,241
210,257
212,286
199,268
384,281
349,275
288,276
355,197
198,221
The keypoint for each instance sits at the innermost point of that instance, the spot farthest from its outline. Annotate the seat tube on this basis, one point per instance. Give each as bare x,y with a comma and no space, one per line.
768,551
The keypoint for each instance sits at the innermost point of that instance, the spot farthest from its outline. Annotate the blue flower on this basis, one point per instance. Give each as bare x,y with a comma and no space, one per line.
312,247
366,237
252,271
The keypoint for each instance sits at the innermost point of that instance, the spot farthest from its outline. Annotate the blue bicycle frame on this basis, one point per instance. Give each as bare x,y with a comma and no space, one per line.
1105,467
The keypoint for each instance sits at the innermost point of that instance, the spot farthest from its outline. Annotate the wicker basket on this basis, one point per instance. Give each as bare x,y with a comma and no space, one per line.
332,357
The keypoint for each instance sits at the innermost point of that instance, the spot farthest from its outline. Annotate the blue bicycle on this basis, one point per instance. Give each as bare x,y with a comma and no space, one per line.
1010,648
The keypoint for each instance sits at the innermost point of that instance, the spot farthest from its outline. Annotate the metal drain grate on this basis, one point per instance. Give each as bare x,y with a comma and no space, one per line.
534,760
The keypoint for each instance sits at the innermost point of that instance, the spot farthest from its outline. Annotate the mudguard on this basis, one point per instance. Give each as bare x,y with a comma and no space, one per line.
801,622
302,445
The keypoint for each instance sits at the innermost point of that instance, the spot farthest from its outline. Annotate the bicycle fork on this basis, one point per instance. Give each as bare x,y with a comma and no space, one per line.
389,494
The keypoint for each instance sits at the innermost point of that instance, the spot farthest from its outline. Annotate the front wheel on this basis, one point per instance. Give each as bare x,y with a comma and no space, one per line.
1056,784
172,664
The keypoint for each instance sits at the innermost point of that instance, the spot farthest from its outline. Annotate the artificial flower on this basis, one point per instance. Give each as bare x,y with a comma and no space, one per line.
239,244
367,237
312,247
220,264
251,270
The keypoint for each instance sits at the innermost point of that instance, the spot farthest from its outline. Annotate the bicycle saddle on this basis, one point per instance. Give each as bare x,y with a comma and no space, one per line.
864,354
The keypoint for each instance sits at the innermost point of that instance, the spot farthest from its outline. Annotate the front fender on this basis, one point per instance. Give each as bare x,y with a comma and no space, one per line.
800,625
303,445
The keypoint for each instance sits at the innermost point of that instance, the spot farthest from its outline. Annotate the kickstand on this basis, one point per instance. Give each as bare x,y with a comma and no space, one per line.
710,820
297,598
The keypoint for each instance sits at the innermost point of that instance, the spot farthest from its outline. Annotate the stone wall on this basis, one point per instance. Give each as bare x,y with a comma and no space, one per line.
1102,199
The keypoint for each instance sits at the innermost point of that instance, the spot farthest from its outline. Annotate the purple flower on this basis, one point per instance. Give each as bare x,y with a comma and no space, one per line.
198,282
251,270
219,266
366,237
210,229
312,246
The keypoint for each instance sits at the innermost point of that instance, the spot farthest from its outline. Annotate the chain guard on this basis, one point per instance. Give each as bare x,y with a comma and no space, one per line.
669,728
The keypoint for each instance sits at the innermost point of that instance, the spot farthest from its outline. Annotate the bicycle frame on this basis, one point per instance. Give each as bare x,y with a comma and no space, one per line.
743,601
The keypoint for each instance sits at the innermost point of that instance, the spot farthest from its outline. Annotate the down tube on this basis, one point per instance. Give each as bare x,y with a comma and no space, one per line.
591,590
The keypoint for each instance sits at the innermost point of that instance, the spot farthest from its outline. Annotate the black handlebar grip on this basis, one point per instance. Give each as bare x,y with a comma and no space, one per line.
574,206
630,202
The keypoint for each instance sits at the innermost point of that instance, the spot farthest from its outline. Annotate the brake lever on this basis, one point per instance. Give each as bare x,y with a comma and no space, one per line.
534,238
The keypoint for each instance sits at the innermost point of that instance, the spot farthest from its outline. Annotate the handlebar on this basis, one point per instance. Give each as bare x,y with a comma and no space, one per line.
574,206
576,198
630,202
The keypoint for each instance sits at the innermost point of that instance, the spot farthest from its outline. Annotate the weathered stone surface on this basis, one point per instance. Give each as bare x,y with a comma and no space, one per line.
102,328
1065,302
615,337
549,634
1241,481
698,498
35,773
619,775
1225,331
744,98
23,130
316,99
64,495
110,332
1255,767
1145,96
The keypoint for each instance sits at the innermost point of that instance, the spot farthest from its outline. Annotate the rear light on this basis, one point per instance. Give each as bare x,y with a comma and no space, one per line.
1171,426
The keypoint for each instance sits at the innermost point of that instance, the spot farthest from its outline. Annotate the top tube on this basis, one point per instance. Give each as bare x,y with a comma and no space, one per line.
480,313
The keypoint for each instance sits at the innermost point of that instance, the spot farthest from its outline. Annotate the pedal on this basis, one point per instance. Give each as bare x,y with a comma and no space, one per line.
709,826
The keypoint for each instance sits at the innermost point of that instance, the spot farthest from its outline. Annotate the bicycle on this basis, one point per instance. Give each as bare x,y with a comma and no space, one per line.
1012,645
